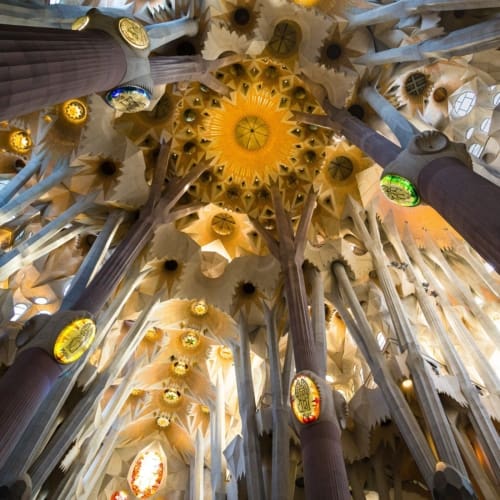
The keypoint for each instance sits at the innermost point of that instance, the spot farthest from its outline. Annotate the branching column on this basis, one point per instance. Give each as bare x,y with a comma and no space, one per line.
246,400
91,301
427,395
479,417
20,403
325,475
365,340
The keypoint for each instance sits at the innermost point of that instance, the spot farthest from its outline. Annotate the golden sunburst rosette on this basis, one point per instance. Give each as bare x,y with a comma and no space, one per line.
249,138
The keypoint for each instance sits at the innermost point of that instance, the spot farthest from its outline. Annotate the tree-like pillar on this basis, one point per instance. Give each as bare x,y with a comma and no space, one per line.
407,8
21,178
480,36
479,417
15,206
94,257
463,336
106,280
325,475
86,406
365,340
95,295
44,66
197,483
51,236
217,426
469,202
427,395
400,126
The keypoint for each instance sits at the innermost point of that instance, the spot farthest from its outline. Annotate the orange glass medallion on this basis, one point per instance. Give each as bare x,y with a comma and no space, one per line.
148,471
305,399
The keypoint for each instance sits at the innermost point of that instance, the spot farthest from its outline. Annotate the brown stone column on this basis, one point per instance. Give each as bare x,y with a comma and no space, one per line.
22,389
325,476
93,298
469,202
45,66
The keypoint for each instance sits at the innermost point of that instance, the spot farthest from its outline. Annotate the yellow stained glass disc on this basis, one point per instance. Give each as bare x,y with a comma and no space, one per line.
74,340
133,33
80,23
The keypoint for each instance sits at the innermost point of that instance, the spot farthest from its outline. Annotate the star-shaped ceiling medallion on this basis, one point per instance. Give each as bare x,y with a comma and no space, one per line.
249,138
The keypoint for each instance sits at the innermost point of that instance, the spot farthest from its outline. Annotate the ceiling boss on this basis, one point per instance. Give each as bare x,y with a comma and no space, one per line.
249,138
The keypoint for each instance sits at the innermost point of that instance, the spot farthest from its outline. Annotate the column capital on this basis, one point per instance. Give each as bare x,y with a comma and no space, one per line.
135,91
399,180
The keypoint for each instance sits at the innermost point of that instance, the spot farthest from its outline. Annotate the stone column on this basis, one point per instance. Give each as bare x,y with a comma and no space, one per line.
469,202
365,340
479,417
14,207
246,400
325,475
430,404
38,431
60,442
460,332
400,126
217,426
197,484
437,168
44,66
280,434
51,236
481,36
21,178
23,388
406,8
99,290
94,257
315,281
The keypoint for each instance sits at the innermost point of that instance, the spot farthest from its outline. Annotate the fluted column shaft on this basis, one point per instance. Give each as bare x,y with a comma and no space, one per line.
45,66
315,280
217,441
196,486
35,371
463,336
86,406
469,202
481,421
